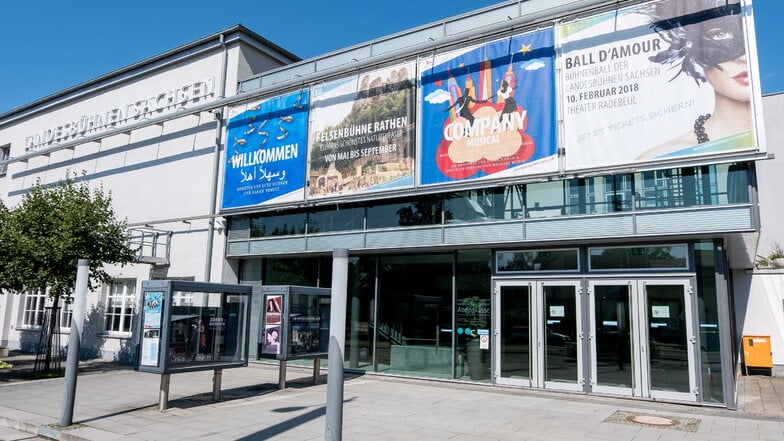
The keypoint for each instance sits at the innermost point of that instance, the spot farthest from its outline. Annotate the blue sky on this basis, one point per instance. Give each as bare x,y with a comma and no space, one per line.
50,45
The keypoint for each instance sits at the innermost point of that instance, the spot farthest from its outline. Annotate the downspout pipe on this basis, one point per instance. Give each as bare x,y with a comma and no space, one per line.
216,163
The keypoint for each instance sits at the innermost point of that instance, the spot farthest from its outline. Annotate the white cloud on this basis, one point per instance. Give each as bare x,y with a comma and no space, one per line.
533,65
438,96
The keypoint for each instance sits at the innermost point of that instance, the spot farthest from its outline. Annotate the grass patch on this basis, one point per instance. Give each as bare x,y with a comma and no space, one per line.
4,365
41,375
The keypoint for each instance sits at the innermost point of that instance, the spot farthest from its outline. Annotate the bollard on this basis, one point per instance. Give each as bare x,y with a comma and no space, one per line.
163,395
216,384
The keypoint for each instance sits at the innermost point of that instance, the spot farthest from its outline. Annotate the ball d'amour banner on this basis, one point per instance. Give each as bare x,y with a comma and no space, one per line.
656,81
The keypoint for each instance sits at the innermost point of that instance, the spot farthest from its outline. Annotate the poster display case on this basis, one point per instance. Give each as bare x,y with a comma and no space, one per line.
294,322
190,326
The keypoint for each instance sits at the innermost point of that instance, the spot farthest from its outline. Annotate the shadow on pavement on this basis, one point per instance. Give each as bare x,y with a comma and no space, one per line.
23,364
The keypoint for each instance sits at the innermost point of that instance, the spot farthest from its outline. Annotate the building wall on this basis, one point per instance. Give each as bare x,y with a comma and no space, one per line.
769,175
759,292
160,176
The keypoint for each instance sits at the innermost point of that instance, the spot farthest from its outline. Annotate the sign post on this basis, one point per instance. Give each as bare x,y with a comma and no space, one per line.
74,339
337,342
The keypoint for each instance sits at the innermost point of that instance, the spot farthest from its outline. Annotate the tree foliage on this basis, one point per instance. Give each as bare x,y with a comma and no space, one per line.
42,239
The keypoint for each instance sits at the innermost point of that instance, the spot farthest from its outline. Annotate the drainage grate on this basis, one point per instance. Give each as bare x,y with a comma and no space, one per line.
651,420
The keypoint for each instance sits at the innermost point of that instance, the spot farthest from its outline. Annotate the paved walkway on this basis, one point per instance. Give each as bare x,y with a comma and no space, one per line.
120,404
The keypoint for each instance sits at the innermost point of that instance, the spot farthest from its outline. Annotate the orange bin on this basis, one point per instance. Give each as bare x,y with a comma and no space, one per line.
757,352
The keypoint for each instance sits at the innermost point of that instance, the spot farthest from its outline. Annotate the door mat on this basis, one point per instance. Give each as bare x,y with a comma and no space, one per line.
652,420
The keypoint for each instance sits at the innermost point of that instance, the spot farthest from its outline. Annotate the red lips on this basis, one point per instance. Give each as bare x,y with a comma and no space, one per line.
742,78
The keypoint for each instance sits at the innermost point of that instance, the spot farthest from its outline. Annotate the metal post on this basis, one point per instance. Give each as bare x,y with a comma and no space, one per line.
282,374
163,394
353,350
337,342
216,384
316,369
74,341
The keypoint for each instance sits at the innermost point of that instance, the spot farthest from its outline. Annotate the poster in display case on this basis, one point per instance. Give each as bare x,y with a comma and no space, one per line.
295,322
188,326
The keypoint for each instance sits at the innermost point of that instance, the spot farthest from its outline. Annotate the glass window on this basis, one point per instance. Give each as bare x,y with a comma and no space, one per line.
415,315
545,199
361,312
708,311
733,183
210,329
693,186
483,205
66,311
302,271
537,260
643,257
120,306
336,219
33,308
5,153
309,324
421,211
278,225
599,194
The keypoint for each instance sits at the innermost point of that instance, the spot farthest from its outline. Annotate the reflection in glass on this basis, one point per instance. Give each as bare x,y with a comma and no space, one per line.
665,257
560,311
421,211
303,271
708,310
341,219
361,312
515,332
667,338
537,260
277,225
309,325
472,315
206,329
612,337
719,184
414,327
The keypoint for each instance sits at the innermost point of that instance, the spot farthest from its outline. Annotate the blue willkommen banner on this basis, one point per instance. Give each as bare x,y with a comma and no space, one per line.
266,150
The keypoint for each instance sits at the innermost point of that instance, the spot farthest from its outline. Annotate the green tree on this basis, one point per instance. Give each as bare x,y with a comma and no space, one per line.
6,284
54,226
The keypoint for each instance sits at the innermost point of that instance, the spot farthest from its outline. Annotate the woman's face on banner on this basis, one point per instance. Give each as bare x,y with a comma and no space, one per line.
730,79
722,47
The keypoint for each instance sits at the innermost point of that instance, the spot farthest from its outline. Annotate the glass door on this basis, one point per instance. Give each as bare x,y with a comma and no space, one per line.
670,339
562,335
515,340
642,338
611,305
538,334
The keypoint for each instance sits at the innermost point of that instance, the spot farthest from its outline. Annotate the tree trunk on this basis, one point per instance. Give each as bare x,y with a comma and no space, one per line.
52,322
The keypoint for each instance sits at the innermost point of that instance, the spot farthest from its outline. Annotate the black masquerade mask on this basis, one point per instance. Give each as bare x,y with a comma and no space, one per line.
704,38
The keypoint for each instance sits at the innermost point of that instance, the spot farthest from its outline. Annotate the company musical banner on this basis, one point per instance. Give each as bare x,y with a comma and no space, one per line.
265,151
656,81
488,111
362,133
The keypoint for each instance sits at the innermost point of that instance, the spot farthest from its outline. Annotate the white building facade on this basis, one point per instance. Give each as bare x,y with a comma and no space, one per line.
529,194
147,134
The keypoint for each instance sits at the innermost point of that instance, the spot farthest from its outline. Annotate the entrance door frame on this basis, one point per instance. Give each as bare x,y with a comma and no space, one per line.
538,333
639,328
586,351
